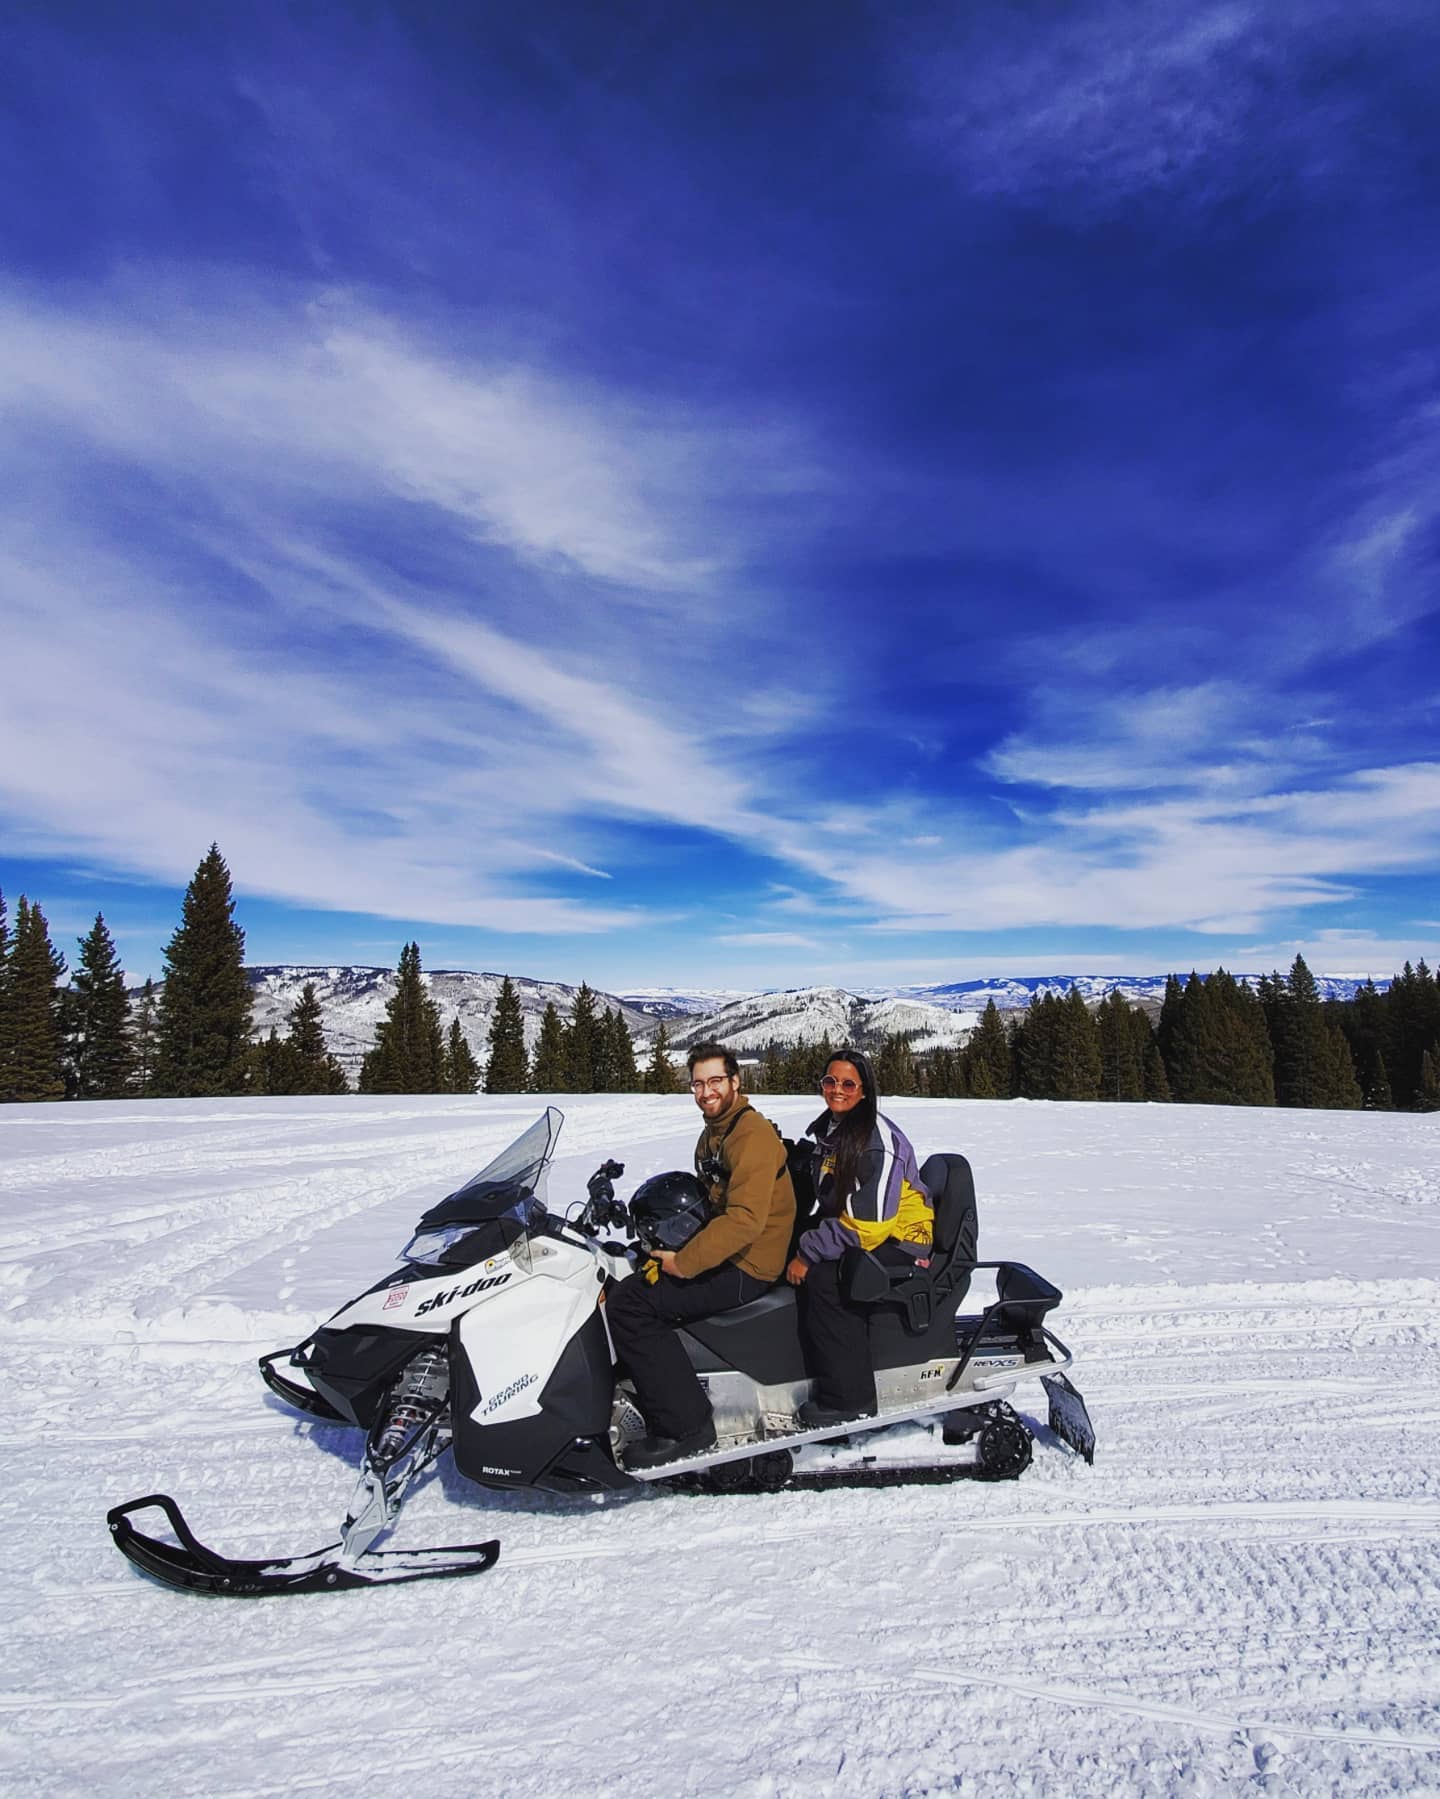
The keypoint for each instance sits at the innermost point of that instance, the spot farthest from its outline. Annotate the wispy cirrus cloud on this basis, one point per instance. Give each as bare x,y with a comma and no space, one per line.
769,940
424,747
595,513
1207,809
291,400
1128,97
363,736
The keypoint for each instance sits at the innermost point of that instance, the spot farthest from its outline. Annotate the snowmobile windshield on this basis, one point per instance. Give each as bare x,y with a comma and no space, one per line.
497,1210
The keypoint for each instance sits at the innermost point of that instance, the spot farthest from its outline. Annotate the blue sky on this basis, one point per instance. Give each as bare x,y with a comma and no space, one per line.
726,495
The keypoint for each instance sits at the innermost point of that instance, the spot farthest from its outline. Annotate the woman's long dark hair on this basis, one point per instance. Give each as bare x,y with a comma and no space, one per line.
850,1133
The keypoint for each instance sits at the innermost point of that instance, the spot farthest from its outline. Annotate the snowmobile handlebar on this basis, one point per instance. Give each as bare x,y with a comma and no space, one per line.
602,1211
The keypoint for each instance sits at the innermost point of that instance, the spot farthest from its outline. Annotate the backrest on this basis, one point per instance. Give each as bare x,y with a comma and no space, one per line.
800,1159
951,1186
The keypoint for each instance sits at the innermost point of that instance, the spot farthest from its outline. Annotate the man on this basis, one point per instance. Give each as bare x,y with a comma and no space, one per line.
740,1159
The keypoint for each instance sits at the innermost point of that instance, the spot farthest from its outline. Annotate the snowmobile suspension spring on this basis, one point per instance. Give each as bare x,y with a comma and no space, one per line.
421,1388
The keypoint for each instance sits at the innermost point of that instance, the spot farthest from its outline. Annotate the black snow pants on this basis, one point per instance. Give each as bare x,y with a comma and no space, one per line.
836,1336
644,1324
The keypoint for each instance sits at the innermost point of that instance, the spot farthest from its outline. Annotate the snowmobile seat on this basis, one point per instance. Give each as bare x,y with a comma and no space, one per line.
951,1186
913,1309
761,1339
920,1290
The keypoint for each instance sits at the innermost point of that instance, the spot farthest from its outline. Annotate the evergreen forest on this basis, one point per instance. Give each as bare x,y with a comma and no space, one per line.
81,1034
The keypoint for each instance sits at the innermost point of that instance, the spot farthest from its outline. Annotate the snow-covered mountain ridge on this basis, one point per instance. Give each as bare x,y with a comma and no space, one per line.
810,1014
1010,992
353,1002
936,1016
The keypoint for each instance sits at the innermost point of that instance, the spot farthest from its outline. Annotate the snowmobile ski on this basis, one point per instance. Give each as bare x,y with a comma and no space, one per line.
192,1567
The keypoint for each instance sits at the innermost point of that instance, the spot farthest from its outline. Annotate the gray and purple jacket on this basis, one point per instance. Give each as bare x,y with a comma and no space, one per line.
889,1203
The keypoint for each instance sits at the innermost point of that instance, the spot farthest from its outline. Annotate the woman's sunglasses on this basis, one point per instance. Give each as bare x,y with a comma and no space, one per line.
831,1080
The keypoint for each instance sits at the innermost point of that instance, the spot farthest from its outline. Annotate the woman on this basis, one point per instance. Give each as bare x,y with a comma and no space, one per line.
869,1193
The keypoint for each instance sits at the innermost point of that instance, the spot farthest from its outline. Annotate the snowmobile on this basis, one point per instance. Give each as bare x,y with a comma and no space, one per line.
490,1340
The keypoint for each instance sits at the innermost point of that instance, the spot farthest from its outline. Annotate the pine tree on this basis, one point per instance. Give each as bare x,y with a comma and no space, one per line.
941,1074
5,1018
1428,1098
1077,1050
1030,1043
1157,1086
1293,1015
1219,1048
1362,1019
1337,1087
986,1062
1181,1036
660,1073
620,1071
606,1073
144,1039
268,1070
1058,1048
1171,1011
895,1070
462,1071
97,1039
1015,1038
1313,1065
583,1048
204,1022
1412,1025
508,1067
409,1052
1122,1048
1252,1062
1377,1094
33,1069
548,1070
306,1065
805,1064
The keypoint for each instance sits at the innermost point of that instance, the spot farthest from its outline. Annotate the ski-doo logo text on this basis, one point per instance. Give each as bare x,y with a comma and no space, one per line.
496,1400
480,1286
395,1297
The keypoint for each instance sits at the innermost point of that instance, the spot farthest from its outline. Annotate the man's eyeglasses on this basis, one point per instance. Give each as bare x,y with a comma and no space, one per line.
716,1084
832,1081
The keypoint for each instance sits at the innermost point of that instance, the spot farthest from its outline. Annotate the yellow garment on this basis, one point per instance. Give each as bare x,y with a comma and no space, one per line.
914,1222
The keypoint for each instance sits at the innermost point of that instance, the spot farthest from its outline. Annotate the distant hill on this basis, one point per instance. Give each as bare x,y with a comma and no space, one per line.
936,1016
1012,991
681,1002
354,1000
809,1014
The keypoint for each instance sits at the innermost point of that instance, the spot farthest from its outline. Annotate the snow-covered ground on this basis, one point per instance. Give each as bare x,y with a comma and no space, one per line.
1242,1594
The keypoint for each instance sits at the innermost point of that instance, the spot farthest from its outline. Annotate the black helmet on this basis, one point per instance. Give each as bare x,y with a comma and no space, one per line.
668,1209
